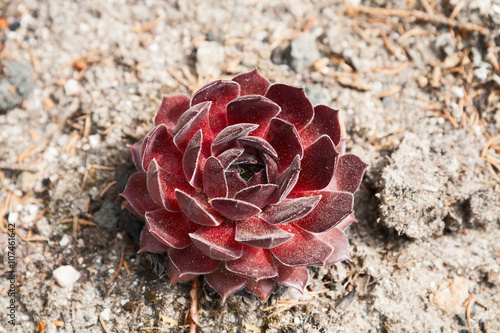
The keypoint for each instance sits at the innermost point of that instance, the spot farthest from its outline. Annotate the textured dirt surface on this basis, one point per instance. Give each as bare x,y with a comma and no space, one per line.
420,102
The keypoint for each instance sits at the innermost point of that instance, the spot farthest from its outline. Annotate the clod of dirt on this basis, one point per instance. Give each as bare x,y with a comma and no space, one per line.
451,294
431,186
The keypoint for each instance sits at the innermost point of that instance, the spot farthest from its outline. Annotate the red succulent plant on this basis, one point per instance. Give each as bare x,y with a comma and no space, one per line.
245,183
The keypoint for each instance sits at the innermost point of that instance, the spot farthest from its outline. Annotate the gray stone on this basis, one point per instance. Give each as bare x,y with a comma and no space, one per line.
107,215
16,82
302,52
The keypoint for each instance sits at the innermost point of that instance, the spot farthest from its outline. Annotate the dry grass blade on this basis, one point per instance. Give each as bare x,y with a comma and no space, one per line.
416,14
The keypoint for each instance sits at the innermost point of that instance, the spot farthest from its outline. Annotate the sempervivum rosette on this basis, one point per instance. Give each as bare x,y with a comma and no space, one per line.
246,183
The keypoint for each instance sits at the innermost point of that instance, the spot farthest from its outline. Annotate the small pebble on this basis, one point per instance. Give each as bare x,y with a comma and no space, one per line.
457,91
66,275
105,314
71,87
65,240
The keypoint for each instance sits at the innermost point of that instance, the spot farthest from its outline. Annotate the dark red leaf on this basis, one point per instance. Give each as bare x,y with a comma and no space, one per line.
259,144
233,209
287,181
302,249
193,162
175,274
318,165
214,181
160,146
197,208
150,244
252,83
259,195
226,139
349,174
338,241
252,109
229,156
290,210
255,263
162,185
259,233
171,108
191,260
286,141
170,228
294,277
225,282
295,106
234,182
200,121
137,195
220,92
262,288
136,155
325,121
331,210
218,243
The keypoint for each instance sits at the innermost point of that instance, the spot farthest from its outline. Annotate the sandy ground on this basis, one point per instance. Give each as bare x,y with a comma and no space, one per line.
420,102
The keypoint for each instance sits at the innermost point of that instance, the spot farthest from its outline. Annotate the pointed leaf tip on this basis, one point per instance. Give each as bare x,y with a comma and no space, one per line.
252,83
225,282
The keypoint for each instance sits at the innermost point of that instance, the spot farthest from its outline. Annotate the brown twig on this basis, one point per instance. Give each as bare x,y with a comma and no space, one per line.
193,309
119,268
103,324
387,43
149,26
390,92
418,15
467,311
105,189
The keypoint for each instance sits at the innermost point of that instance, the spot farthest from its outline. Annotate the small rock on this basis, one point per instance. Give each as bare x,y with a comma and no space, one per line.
65,240
71,87
457,91
66,275
302,52
209,58
451,294
105,314
422,81
107,215
16,82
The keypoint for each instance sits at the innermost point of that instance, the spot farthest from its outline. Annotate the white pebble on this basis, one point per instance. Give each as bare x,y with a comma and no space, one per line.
13,218
51,154
457,91
105,314
65,240
71,87
66,275
94,140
